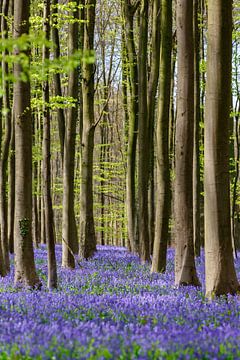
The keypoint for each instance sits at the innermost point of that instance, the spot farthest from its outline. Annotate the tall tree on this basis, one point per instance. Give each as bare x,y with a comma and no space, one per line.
220,272
48,209
70,242
152,91
11,196
162,142
143,131
197,115
25,272
185,271
11,174
6,143
129,52
56,76
87,229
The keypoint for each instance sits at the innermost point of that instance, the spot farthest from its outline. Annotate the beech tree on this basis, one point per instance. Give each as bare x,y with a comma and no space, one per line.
162,143
5,145
87,229
196,147
56,76
69,233
153,78
129,53
143,131
185,271
48,210
25,272
220,272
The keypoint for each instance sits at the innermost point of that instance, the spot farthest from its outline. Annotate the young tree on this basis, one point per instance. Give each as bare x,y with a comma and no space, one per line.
6,143
185,271
69,228
162,142
56,76
143,153
48,210
87,229
25,272
220,272
11,175
11,196
152,91
196,155
130,58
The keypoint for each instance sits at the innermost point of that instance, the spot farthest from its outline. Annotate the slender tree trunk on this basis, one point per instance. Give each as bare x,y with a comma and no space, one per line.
3,271
6,143
235,215
11,176
103,134
143,153
35,229
49,221
172,112
152,90
87,229
129,11
220,273
70,242
56,76
25,272
11,180
163,172
185,271
196,159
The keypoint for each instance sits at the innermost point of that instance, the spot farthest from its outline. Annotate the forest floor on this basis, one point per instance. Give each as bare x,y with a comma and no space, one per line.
113,308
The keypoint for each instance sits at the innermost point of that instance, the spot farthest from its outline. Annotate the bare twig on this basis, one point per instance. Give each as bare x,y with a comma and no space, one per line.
72,253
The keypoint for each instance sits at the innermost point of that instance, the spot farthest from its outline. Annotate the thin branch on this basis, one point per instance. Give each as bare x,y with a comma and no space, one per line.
74,256
109,196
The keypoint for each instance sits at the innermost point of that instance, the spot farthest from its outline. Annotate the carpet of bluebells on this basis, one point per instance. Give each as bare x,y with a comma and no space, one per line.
113,308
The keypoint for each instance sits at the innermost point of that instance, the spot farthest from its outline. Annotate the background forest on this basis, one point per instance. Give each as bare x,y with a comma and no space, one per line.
119,179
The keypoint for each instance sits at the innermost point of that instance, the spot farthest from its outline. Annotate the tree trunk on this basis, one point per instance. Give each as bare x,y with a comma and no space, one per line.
11,180
11,176
35,228
235,216
56,76
196,159
70,241
87,229
6,143
163,172
49,221
185,271
143,153
129,11
25,272
220,272
152,90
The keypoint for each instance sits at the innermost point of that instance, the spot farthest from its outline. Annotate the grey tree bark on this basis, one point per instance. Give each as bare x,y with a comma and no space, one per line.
196,148
152,91
143,133
48,210
129,10
69,228
220,272
185,271
87,228
163,190
56,77
6,143
25,272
